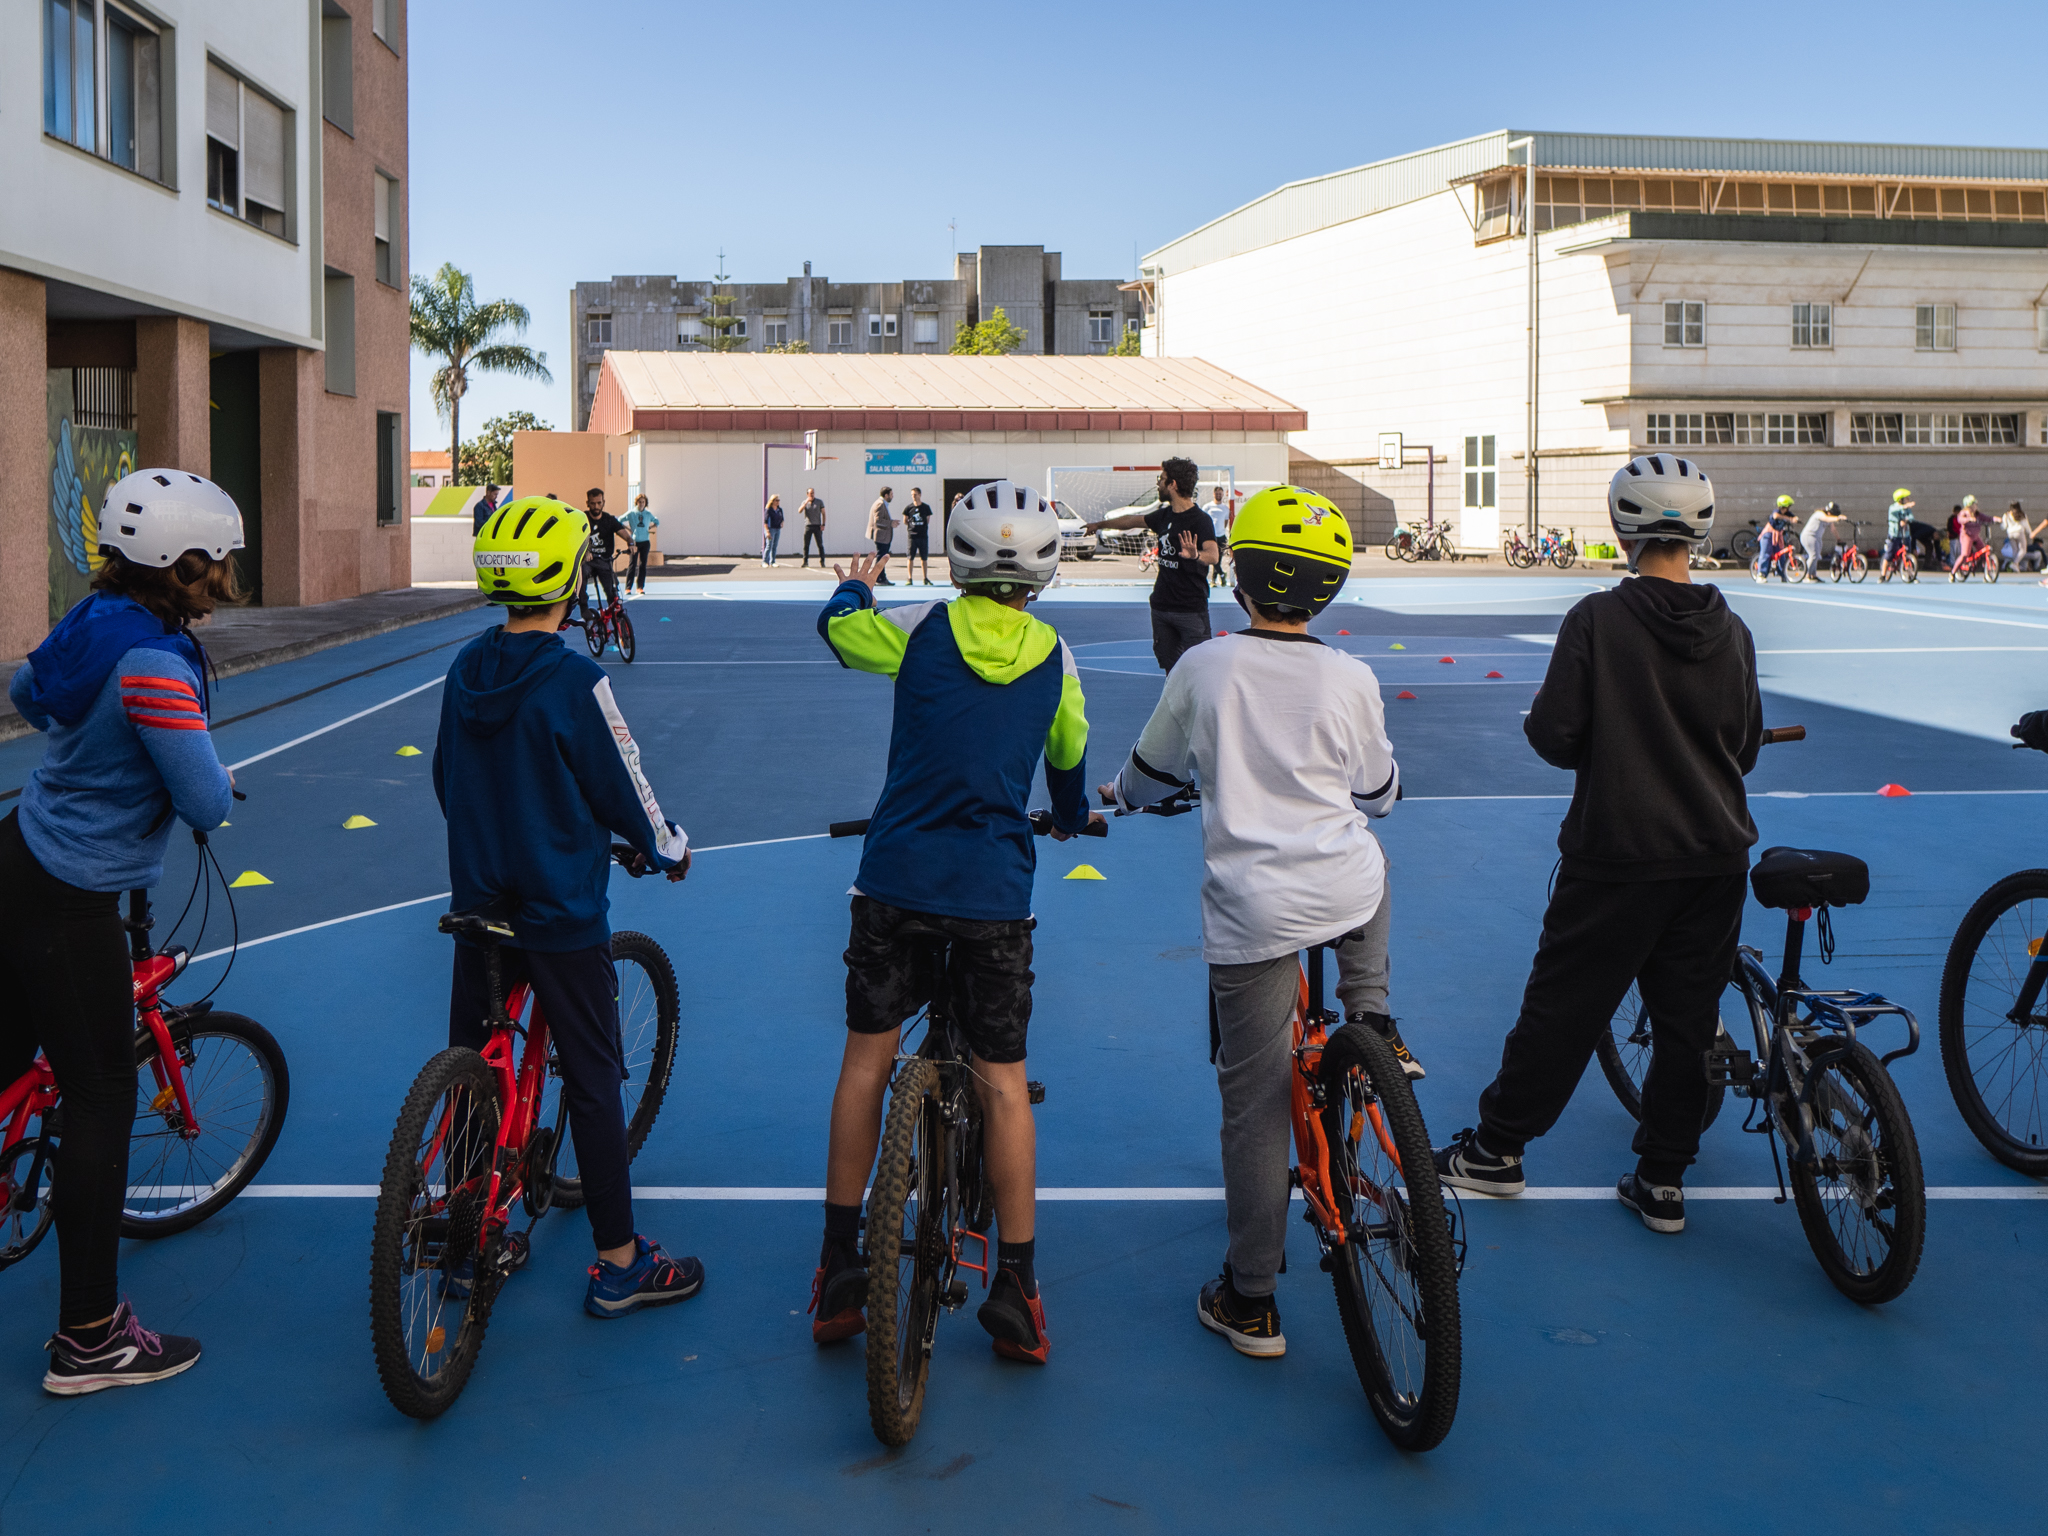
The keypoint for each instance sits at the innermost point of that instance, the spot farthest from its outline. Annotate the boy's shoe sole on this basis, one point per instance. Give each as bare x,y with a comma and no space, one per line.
80,1386
1630,1191
1245,1344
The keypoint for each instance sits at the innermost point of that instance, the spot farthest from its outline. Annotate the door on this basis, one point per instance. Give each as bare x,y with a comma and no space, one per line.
237,456
1479,518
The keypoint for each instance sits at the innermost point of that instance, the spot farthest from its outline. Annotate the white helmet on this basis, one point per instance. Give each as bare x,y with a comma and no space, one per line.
154,515
1003,534
1661,496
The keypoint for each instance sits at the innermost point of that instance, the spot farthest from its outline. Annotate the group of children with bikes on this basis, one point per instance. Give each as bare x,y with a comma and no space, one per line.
1651,700
1974,542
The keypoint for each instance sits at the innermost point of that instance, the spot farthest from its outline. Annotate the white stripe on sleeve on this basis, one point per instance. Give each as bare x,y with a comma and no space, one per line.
670,845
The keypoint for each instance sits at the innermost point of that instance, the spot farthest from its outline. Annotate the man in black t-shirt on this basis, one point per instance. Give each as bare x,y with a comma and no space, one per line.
917,522
1187,549
604,532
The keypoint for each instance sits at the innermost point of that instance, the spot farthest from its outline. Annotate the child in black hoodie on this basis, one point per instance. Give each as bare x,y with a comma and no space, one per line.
1651,700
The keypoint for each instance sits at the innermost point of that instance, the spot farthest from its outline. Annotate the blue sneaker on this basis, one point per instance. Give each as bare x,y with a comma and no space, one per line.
653,1279
458,1277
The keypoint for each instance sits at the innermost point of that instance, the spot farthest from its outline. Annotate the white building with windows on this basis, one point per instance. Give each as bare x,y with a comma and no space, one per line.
1824,320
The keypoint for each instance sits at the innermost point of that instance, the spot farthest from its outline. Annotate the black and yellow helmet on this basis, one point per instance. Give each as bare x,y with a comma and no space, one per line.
1291,548
529,553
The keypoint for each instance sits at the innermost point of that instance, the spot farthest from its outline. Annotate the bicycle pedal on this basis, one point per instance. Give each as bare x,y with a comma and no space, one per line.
955,1297
1729,1067
1035,1092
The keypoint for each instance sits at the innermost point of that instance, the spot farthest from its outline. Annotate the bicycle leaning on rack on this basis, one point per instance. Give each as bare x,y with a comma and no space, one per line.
1423,541
1993,1018
1370,1194
931,1190
479,1133
211,1092
1850,1151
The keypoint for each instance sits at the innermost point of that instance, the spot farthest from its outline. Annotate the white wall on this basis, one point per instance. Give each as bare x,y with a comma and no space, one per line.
708,492
74,216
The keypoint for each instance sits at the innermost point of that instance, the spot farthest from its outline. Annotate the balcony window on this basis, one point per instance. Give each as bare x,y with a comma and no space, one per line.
248,152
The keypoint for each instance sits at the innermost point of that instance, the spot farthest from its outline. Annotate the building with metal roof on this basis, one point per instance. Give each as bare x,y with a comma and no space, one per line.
1828,320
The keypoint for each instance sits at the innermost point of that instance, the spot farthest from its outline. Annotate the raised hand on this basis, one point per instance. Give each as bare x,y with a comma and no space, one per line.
866,570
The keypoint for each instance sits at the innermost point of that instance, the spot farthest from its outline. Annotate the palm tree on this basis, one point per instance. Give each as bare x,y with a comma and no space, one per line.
449,323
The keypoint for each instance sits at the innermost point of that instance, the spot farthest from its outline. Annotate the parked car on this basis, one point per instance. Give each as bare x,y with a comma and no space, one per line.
1129,541
1075,541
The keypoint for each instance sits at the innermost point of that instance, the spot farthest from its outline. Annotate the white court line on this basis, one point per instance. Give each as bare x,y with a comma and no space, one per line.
1911,613
349,720
826,663
1395,605
1148,1194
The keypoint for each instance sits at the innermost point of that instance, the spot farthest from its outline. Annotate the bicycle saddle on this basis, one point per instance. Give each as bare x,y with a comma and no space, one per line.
1809,877
480,924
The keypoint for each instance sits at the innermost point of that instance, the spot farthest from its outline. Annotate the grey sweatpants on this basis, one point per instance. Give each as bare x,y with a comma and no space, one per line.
1255,1071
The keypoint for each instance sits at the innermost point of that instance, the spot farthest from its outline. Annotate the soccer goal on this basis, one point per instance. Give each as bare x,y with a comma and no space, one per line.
1104,490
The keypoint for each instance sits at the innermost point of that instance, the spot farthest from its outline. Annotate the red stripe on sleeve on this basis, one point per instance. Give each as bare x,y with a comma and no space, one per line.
182,704
174,684
188,723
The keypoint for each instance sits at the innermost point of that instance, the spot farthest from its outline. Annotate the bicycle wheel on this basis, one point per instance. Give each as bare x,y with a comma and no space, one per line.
906,1242
1862,1199
1997,1068
428,1212
1991,571
239,1089
1400,547
1859,567
1396,1274
649,1013
25,1212
1910,566
1795,568
1757,573
1624,1054
596,628
1565,555
625,634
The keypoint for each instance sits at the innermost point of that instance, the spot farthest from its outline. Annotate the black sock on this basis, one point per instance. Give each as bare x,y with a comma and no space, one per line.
842,1227
1016,1258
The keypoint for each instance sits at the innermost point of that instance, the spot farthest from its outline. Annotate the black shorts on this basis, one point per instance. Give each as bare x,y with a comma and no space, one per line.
991,975
920,545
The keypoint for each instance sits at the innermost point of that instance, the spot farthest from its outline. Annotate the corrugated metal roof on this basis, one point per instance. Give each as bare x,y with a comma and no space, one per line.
728,381
1302,207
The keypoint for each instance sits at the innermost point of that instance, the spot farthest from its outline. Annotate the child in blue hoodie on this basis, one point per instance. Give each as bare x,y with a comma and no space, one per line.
119,687
537,773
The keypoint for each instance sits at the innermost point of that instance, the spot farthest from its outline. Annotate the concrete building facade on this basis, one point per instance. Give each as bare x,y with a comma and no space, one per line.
708,435
1824,320
202,266
1069,317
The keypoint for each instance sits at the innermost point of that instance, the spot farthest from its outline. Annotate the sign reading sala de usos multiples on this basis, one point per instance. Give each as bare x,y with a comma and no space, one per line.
903,461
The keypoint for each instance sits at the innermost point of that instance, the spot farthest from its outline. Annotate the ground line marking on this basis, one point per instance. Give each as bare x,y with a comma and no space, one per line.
337,725
1912,613
1145,1194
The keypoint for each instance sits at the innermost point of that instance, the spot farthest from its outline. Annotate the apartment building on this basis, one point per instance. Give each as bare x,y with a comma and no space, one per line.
1824,320
202,265
1071,317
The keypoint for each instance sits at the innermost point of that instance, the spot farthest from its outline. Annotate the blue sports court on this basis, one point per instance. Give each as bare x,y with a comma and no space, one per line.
1613,1380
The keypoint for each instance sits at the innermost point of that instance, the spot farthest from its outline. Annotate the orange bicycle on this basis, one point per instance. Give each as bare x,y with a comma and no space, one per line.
1388,1242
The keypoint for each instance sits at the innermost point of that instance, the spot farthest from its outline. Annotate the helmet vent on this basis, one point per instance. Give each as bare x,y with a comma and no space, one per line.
524,518
135,508
1290,527
1288,501
127,531
542,531
1626,505
1049,549
160,480
553,570
963,546
1656,464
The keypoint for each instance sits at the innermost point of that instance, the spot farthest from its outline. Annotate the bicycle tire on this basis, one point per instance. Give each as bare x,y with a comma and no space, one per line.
1982,1031
650,1014
1624,1056
596,629
1886,1169
903,1283
1742,544
1757,573
1402,1235
409,1241
239,1088
624,635
1398,548
1564,556
1795,568
1910,566
1991,571
24,1226
1835,567
1859,568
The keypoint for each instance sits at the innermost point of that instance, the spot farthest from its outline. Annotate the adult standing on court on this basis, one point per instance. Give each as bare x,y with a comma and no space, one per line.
1809,536
917,525
480,514
1187,548
120,688
640,526
604,532
882,529
813,511
1219,519
771,529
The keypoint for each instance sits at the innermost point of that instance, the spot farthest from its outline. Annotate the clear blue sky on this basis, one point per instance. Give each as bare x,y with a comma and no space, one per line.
553,143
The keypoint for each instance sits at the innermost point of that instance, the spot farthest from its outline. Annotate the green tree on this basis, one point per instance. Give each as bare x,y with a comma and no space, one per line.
720,322
448,323
994,337
1128,346
790,346
487,457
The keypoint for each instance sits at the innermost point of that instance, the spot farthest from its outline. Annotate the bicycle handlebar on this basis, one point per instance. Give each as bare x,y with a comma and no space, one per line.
1784,733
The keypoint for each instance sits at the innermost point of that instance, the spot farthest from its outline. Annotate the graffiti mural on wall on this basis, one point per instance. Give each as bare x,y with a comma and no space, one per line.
84,461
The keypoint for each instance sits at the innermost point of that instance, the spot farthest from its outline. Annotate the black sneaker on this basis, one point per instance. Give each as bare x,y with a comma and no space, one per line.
1662,1206
1251,1323
1390,1032
1468,1165
1015,1322
839,1295
130,1356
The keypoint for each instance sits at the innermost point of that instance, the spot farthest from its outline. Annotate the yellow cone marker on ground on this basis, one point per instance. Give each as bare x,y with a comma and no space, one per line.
407,752
1397,646
355,823
1085,872
249,877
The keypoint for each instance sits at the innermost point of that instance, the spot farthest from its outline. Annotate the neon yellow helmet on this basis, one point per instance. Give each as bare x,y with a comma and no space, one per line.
1784,501
530,553
1291,549
1902,494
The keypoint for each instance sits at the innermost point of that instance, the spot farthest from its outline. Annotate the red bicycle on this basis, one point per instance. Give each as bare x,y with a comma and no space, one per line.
211,1093
605,623
1787,562
1904,564
479,1133
1983,560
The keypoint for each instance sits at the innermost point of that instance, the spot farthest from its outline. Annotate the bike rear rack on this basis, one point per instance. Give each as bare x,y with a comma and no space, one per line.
1846,1011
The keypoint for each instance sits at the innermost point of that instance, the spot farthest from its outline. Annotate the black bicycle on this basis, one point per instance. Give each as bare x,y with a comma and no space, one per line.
931,1190
1993,1017
1850,1152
